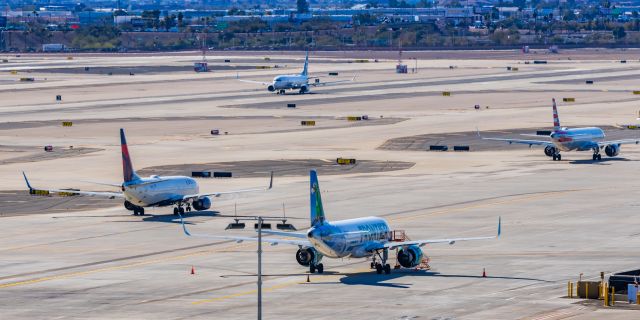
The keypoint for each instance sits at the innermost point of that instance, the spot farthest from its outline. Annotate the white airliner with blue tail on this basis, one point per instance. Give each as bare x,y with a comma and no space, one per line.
578,139
352,238
155,191
300,82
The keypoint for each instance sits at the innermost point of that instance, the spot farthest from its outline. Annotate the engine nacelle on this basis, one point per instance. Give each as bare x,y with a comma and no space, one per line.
410,257
203,203
271,88
129,206
307,256
612,150
549,151
304,89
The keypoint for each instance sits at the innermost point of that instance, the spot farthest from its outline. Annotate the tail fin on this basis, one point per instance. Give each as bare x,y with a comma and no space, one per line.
305,70
556,119
317,213
127,168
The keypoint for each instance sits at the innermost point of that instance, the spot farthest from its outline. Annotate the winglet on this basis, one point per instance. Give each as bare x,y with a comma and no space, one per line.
499,226
27,181
270,181
184,228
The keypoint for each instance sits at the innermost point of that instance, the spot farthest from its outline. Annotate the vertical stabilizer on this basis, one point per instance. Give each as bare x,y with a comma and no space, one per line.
556,119
317,212
127,168
305,70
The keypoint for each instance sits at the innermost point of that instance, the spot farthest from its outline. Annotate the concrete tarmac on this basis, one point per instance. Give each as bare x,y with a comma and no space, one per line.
83,258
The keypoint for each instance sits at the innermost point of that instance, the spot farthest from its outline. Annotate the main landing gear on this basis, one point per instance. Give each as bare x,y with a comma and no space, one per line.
179,210
313,267
138,211
384,266
282,91
557,156
596,154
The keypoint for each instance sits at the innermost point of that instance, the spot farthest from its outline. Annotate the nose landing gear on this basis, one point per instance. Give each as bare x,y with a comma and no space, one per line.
596,154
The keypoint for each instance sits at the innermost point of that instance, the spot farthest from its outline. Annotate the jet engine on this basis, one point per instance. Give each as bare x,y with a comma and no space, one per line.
549,151
410,257
202,204
304,89
612,150
129,206
307,256
271,88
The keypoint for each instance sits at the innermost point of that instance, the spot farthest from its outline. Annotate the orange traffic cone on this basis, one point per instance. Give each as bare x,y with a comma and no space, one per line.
484,273
193,270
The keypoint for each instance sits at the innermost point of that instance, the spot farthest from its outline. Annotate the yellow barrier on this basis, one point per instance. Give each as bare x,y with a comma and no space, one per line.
353,118
345,161
39,192
14,71
67,123
361,60
606,295
569,289
308,123
636,92
613,296
446,93
569,99
263,67
27,79
514,69
67,194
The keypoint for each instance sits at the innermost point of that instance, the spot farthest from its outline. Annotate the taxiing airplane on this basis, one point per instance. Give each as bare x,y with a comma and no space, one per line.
154,191
353,238
578,139
298,82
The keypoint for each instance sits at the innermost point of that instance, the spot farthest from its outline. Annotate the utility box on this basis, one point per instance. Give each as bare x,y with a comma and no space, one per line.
588,289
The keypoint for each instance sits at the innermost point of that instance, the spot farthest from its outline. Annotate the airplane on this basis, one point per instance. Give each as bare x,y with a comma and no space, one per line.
154,191
298,82
352,238
578,139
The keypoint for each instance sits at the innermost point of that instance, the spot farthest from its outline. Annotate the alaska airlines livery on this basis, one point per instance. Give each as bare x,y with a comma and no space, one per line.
155,191
578,139
352,238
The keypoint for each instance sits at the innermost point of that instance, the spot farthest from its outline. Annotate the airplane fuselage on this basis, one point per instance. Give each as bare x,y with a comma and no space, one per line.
294,81
349,238
159,191
579,139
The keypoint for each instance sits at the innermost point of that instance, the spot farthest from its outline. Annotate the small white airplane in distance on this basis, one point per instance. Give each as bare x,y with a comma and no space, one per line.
298,82
578,139
154,191
353,238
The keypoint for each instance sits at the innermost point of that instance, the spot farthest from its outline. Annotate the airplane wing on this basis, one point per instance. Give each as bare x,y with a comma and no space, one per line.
394,245
621,141
286,234
110,195
258,82
519,141
217,194
272,241
316,84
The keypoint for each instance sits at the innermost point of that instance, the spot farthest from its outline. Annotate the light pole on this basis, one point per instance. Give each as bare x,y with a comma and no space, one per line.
258,226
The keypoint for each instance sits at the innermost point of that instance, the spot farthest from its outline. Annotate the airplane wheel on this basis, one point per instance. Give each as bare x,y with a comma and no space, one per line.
559,157
372,265
555,157
387,269
320,268
312,268
141,211
175,211
378,268
595,157
282,91
599,157
181,210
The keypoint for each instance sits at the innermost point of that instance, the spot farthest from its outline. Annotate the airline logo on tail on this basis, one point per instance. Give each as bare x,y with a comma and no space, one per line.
305,70
556,120
317,212
127,167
